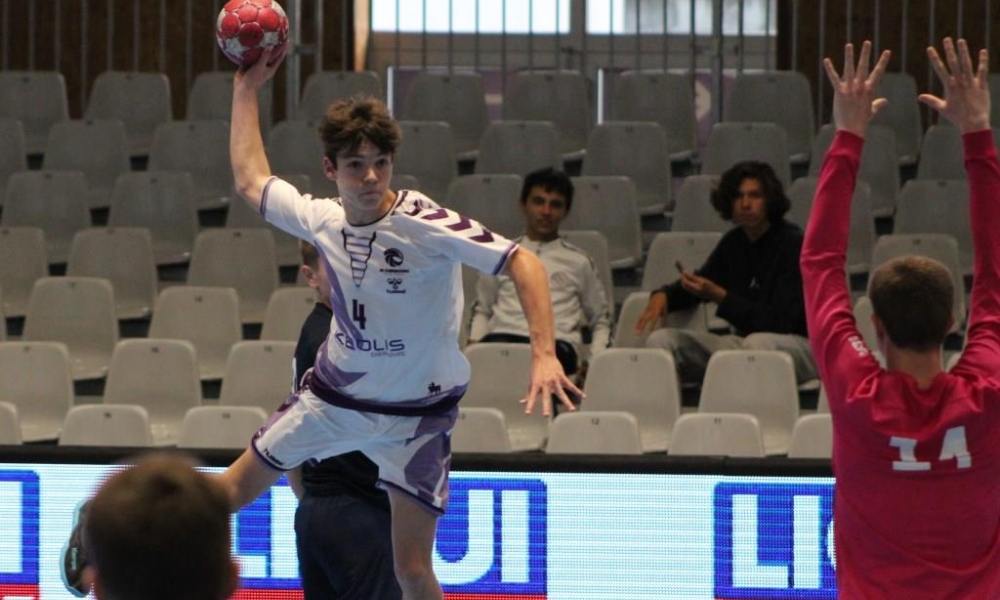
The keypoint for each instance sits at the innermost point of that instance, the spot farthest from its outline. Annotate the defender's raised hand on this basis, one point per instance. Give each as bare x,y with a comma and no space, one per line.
854,102
966,101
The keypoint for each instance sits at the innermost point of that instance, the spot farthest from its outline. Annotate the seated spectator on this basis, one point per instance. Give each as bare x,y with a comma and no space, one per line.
579,300
752,276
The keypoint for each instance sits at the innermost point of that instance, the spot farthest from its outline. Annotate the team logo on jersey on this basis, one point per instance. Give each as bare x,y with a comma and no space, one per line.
395,285
394,259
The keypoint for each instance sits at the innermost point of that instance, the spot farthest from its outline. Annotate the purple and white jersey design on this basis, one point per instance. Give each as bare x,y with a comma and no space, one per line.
396,292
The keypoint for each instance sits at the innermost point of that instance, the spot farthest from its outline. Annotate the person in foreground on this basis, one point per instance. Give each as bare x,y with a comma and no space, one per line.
915,452
160,531
390,374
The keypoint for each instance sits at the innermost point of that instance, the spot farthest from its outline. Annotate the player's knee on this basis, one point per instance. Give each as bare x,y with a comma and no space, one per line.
413,574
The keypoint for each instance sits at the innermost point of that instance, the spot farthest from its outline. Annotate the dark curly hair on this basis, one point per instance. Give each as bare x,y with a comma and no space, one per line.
350,121
729,189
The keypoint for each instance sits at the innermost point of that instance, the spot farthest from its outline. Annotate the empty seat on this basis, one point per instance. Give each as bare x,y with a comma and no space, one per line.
638,151
324,87
79,312
863,321
123,256
862,225
24,262
407,182
717,434
490,199
107,425
98,148
500,375
50,200
879,165
608,204
730,143
242,259
660,97
10,425
941,153
36,98
286,246
160,375
480,429
594,432
668,248
456,98
35,377
206,317
140,100
258,373
937,206
200,148
595,245
901,114
560,97
693,210
942,248
228,427
640,381
211,99
518,147
427,152
163,203
286,312
780,97
295,147
812,437
13,151
757,382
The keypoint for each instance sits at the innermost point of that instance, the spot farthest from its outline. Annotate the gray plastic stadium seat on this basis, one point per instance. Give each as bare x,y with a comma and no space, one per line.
879,165
456,98
242,259
636,150
161,376
10,425
79,312
123,256
693,210
200,148
286,311
427,152
140,100
13,151
211,99
901,114
937,206
608,204
480,429
258,373
664,98
668,247
229,427
780,97
632,307
941,154
594,432
36,378
812,437
24,262
596,246
243,216
208,317
36,98
50,200
294,147
107,425
162,202
323,87
560,97
98,148
518,148
717,434
490,199
730,143
862,227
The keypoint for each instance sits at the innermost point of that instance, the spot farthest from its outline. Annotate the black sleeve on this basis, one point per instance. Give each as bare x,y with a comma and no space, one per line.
678,298
314,331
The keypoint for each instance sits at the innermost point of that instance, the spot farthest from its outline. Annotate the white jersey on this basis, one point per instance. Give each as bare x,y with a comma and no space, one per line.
396,292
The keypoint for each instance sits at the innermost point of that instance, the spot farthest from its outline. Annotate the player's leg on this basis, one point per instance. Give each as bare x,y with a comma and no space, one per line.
413,531
691,349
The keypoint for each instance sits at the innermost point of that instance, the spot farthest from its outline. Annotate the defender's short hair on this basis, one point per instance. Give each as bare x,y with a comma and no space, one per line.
309,254
550,180
914,298
729,189
349,122
160,531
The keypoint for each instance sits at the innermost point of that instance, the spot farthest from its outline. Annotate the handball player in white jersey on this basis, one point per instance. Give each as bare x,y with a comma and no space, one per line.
389,376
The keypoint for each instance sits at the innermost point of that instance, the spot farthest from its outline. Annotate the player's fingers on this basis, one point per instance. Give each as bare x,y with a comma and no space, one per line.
984,66
848,62
951,57
831,73
878,104
880,67
937,64
932,101
964,59
863,60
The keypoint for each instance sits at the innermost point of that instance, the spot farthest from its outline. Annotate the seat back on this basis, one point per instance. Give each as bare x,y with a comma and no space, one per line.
323,87
140,100
208,317
258,373
286,311
36,98
595,245
693,210
428,152
717,434
106,425
780,97
24,262
560,97
941,153
730,143
293,146
879,164
812,437
456,98
243,216
660,97
13,150
202,149
52,201
123,256
242,259
480,429
901,114
211,99
98,148
862,228
490,199
36,378
668,248
637,150
518,148
162,202
10,425
608,204
937,206
229,427
594,432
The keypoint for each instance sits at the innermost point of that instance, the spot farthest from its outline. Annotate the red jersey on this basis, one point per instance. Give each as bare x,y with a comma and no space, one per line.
917,503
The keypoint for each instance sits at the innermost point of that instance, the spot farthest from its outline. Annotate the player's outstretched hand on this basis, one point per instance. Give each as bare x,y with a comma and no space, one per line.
854,102
966,101
548,379
256,75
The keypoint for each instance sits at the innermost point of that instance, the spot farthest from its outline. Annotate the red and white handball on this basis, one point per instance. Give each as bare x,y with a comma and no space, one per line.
246,27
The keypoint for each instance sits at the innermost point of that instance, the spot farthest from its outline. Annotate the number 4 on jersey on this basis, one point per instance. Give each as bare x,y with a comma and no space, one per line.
953,446
358,313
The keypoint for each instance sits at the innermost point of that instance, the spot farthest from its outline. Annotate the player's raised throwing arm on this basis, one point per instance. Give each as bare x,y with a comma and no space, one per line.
547,375
246,146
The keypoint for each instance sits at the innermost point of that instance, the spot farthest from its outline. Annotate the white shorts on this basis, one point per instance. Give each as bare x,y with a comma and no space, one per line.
413,453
